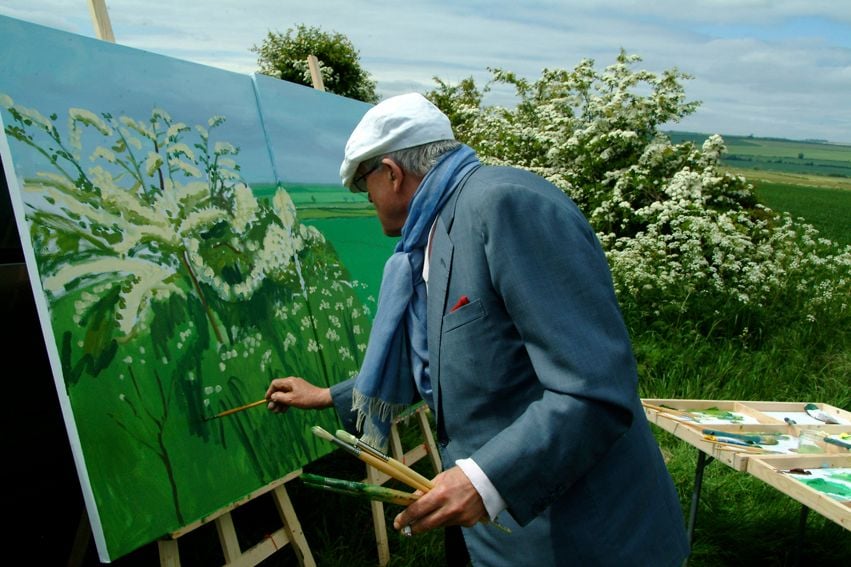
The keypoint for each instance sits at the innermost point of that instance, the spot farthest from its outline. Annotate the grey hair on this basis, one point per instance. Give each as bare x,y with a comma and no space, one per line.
416,160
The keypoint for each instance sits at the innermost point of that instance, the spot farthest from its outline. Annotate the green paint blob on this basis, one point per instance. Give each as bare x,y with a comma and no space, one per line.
840,491
719,414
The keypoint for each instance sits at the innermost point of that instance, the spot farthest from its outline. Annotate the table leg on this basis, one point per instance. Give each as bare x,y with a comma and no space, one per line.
802,524
702,461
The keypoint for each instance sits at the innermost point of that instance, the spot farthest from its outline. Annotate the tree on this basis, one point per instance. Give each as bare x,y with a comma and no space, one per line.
285,56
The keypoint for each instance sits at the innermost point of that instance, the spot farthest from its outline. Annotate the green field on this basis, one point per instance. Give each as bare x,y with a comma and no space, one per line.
807,179
828,209
806,157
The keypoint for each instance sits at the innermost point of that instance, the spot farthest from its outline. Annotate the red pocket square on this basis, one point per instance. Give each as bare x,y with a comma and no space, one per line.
461,303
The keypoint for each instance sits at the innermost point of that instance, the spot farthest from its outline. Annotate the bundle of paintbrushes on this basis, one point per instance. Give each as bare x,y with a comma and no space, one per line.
386,464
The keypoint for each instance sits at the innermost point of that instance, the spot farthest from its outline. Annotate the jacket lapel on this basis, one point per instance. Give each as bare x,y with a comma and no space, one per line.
440,267
440,270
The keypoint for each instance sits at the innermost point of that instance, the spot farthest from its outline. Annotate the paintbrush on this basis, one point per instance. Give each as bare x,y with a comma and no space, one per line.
838,441
814,412
359,489
734,444
670,411
370,459
240,408
347,437
759,438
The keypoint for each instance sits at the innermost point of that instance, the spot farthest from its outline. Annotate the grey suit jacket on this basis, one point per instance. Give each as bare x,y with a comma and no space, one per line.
535,380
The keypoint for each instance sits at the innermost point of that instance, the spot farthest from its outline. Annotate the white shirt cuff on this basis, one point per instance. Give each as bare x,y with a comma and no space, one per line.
494,504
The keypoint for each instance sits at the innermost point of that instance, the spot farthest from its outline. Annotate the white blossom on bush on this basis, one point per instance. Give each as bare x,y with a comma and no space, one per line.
682,236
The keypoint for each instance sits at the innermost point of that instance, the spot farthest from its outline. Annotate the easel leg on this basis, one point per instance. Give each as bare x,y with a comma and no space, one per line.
702,461
428,447
293,527
378,521
396,444
431,446
169,554
81,540
228,538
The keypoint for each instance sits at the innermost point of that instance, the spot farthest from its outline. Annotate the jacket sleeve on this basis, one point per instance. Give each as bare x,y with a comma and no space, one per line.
341,395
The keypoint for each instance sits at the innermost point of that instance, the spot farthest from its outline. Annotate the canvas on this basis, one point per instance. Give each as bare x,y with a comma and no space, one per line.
187,241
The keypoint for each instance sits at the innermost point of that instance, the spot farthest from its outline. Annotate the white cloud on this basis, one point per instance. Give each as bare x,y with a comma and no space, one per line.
768,67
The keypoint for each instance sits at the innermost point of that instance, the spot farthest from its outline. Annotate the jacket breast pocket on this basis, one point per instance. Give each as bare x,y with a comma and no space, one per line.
464,315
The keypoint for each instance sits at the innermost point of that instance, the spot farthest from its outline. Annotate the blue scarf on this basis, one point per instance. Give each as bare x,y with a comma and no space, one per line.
382,388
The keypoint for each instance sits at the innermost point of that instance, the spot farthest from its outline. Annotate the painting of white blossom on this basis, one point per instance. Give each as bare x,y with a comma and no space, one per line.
178,265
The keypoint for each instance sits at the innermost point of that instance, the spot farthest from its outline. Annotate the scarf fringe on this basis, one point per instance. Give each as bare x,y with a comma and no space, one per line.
375,409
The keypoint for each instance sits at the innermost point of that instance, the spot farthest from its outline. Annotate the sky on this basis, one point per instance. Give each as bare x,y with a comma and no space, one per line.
768,68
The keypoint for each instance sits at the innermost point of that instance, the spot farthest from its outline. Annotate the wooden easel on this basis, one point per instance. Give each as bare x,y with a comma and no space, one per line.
100,20
427,448
289,534
315,73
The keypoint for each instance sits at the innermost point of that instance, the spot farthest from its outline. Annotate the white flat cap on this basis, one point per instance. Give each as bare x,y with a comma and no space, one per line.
396,123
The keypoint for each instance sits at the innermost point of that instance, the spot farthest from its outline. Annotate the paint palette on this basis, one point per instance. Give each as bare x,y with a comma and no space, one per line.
782,443
735,431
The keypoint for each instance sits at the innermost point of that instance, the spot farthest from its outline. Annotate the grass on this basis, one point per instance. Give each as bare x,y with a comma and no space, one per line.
802,181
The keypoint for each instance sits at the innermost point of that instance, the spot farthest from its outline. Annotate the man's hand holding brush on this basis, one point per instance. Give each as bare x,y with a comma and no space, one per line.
452,501
298,393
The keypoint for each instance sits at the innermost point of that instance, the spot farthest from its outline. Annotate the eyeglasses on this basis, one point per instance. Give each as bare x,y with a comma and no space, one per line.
360,181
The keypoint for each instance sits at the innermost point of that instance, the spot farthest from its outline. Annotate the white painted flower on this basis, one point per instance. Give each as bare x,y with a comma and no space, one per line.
284,208
89,118
246,207
175,129
224,148
103,153
289,341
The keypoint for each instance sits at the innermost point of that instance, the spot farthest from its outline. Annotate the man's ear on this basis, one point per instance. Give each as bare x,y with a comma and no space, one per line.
397,174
